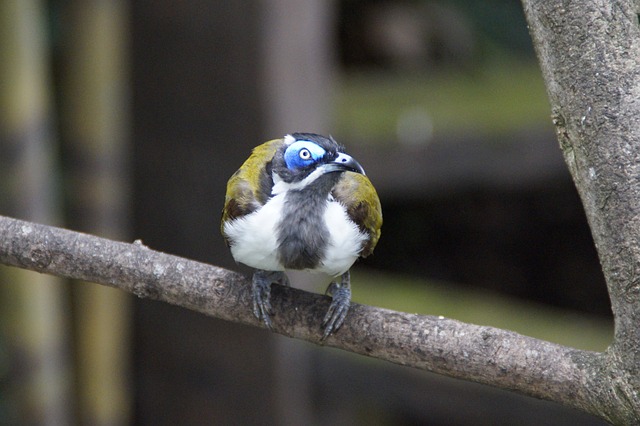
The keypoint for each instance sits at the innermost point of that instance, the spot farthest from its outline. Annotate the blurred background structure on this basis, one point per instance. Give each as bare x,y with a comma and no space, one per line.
126,118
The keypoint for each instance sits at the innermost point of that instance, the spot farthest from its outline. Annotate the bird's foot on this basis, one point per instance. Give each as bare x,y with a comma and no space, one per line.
341,295
284,280
261,293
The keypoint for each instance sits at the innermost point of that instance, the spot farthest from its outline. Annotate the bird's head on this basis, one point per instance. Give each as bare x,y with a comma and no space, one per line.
305,157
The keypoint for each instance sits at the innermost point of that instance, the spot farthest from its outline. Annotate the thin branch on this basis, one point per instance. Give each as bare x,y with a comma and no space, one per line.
482,354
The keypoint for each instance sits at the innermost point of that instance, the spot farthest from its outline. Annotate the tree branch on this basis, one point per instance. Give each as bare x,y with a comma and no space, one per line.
482,354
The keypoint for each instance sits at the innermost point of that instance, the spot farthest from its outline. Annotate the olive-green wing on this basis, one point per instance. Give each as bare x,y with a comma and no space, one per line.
357,194
249,187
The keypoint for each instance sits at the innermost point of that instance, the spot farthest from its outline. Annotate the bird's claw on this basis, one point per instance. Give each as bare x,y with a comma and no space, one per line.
333,319
284,280
261,303
261,293
337,312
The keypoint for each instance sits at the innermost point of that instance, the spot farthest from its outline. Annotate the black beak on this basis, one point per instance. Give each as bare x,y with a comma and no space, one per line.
344,162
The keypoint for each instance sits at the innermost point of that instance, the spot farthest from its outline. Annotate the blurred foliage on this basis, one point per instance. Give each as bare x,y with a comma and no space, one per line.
481,307
497,98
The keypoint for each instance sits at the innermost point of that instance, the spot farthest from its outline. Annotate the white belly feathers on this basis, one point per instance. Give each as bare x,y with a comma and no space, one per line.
345,242
254,239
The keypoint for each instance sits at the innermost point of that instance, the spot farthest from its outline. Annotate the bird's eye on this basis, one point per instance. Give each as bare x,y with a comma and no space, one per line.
302,154
305,154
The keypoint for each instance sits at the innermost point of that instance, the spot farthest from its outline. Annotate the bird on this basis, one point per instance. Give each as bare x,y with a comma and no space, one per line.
301,203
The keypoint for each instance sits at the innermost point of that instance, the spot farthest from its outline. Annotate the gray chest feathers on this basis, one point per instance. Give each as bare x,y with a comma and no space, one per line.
303,235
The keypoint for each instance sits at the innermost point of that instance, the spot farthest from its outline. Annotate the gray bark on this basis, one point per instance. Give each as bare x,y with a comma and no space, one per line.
589,53
482,354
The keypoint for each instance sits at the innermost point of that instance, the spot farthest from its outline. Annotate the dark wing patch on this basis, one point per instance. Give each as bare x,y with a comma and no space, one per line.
360,198
266,184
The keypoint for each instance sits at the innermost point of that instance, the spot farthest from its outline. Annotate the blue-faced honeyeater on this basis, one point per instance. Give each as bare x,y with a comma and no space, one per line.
301,203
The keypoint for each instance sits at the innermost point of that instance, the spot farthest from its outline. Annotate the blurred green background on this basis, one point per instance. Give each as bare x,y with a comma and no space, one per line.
125,119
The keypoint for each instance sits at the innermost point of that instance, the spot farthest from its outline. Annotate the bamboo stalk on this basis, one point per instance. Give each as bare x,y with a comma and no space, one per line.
94,118
33,312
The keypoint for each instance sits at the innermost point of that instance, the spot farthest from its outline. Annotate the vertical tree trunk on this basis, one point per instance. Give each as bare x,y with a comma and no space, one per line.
590,58
296,82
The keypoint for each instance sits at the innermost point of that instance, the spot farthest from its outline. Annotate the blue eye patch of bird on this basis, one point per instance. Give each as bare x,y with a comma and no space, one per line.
301,203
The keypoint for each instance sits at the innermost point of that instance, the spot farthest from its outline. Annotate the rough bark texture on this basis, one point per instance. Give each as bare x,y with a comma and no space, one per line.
590,57
483,354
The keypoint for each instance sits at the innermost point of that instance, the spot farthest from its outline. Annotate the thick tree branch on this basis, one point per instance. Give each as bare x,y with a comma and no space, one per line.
590,58
482,354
